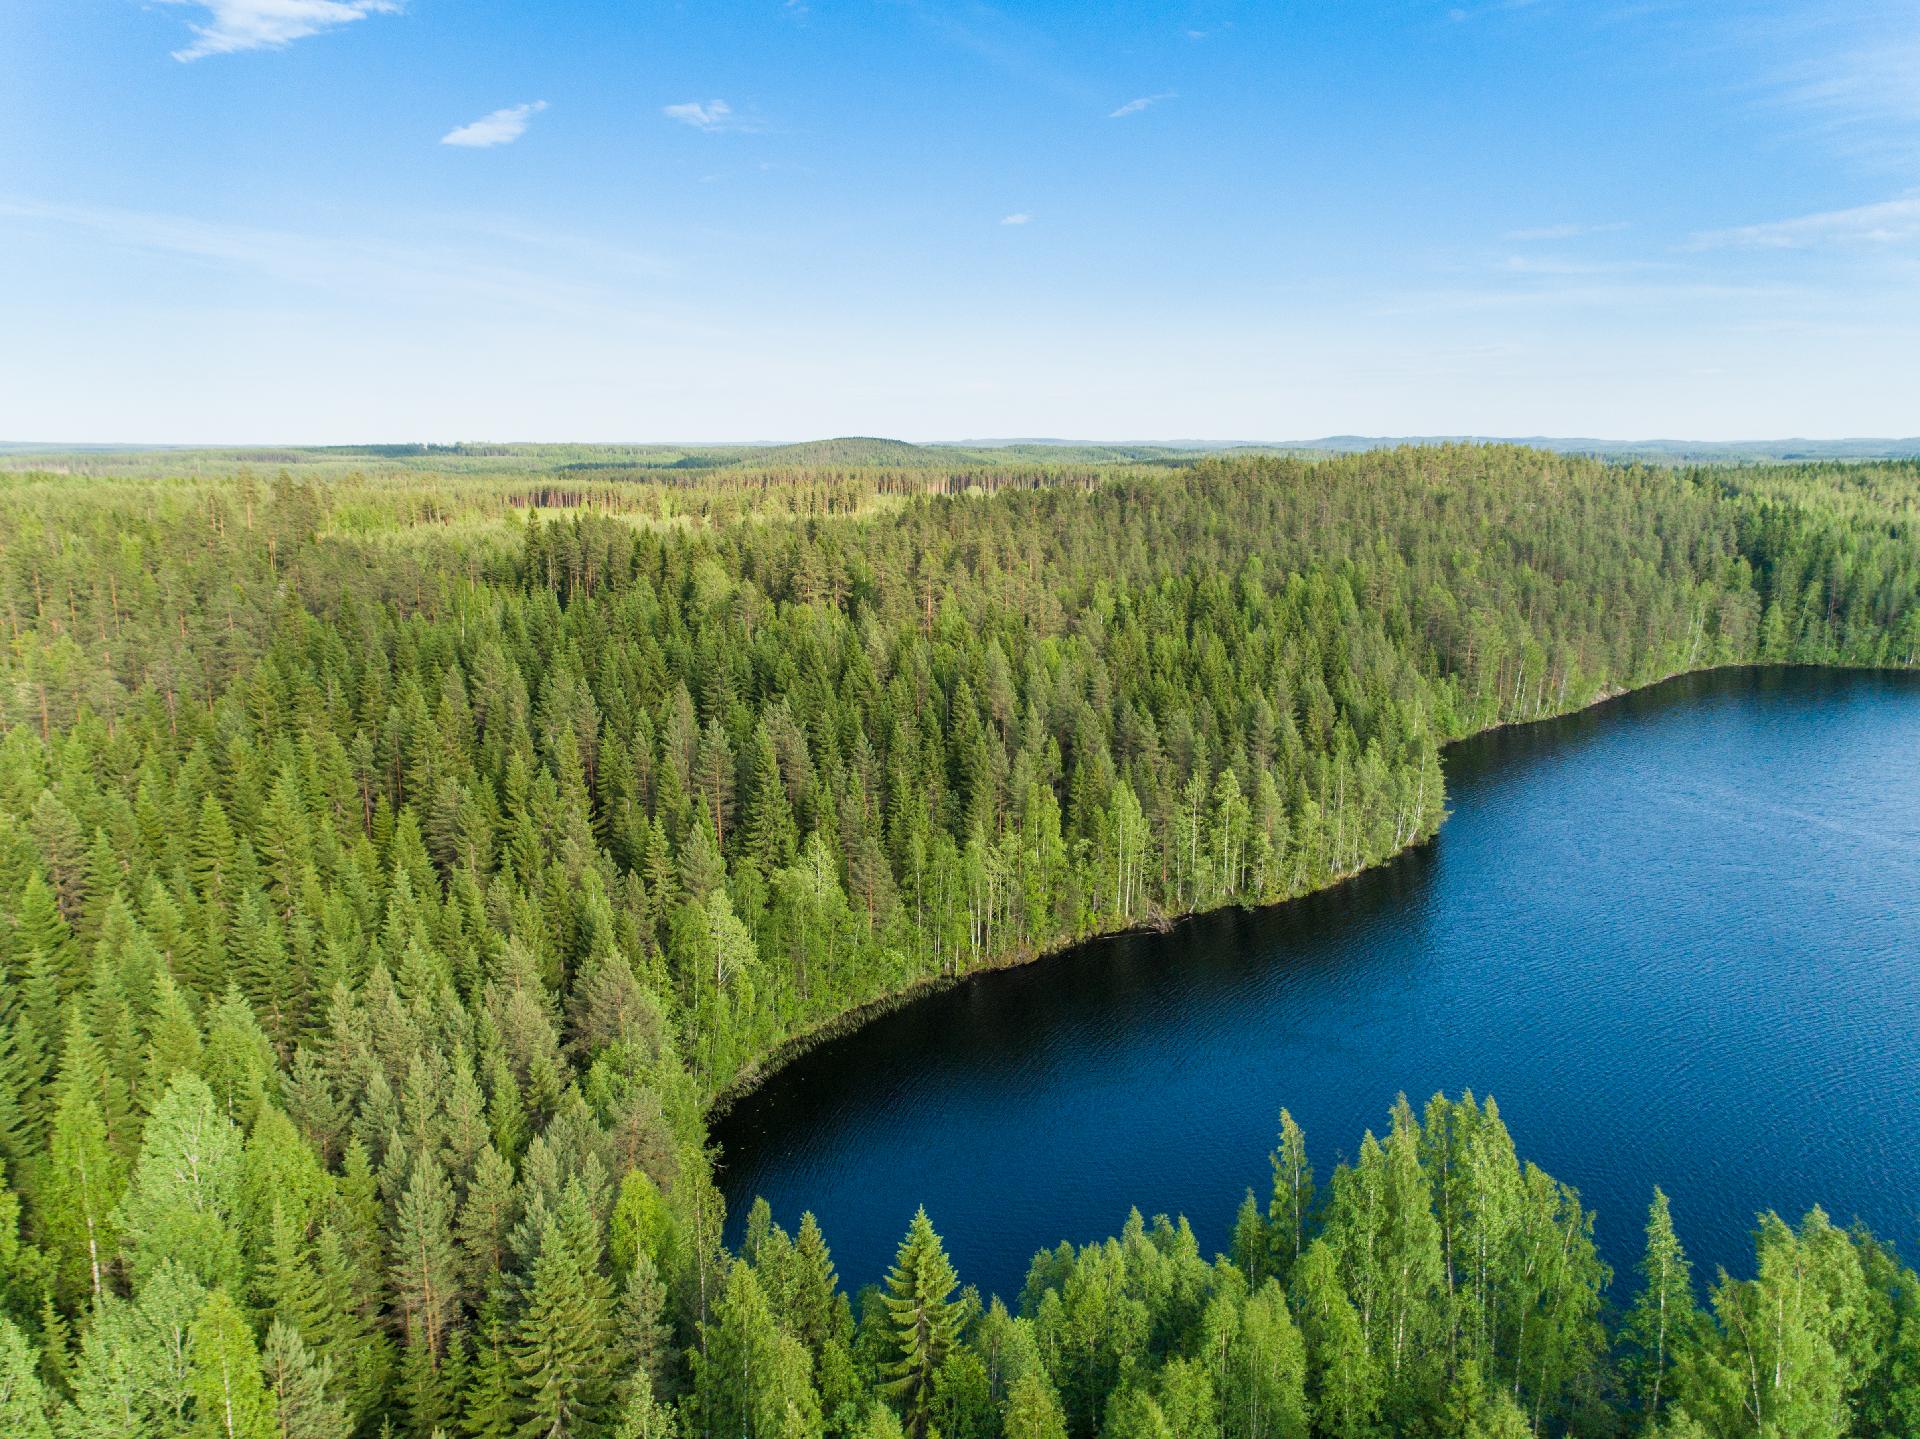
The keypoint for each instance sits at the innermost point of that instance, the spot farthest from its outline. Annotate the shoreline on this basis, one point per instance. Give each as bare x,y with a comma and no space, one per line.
850,1020
853,1019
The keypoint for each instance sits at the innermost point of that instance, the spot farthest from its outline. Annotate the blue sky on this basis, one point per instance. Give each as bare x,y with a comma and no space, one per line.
342,220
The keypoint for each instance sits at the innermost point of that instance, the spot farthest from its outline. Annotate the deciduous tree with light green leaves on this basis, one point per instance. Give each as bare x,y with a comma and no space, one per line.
1664,1322
230,1398
179,1204
23,1398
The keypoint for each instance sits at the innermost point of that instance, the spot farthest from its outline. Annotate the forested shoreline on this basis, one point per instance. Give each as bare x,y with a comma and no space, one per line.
395,871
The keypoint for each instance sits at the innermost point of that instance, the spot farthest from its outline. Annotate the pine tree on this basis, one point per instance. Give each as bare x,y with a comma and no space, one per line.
486,1217
925,1322
423,1277
713,776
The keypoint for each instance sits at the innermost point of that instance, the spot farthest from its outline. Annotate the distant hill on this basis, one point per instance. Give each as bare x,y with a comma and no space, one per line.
1652,451
848,450
853,451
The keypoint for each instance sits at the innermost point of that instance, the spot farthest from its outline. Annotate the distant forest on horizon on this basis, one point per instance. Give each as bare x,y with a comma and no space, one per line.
874,452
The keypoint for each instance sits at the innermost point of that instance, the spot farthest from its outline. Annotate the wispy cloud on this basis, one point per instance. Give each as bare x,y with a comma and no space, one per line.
1539,265
502,127
1459,15
1019,217
1563,232
1134,107
568,281
1600,293
1011,46
1850,65
235,25
710,115
1888,223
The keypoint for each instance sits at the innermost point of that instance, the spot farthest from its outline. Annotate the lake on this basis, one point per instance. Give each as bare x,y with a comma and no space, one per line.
1677,936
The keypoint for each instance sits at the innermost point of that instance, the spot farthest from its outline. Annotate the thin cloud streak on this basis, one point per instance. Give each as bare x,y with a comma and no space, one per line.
1888,223
997,39
1134,107
1846,66
502,127
355,270
1018,218
236,25
1562,232
1606,296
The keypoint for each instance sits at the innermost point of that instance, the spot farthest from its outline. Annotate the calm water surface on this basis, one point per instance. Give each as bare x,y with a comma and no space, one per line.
1677,936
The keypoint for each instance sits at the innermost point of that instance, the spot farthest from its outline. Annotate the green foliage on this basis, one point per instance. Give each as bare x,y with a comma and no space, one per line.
752,1379
23,1400
925,1319
179,1205
230,1396
1665,1320
399,855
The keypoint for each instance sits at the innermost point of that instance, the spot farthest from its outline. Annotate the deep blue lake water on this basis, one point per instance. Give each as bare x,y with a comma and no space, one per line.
1677,937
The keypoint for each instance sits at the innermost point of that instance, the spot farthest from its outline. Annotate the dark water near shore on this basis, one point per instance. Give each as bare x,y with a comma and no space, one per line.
1677,936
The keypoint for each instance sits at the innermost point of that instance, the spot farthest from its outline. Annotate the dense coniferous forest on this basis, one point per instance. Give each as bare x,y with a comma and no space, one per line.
398,860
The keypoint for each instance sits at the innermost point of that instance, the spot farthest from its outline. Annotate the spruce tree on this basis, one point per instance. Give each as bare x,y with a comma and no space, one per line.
490,1400
562,1350
645,1337
303,1407
924,1321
